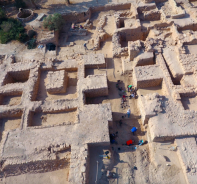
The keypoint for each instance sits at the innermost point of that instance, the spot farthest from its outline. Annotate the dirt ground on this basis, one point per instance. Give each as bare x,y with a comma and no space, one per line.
131,164
59,176
45,119
7,124
11,100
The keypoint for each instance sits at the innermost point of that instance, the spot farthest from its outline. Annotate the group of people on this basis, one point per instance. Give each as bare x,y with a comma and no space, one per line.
122,93
133,91
73,26
113,137
130,142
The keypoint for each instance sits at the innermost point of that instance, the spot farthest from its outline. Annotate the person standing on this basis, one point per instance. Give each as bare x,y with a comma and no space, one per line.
128,112
85,46
128,88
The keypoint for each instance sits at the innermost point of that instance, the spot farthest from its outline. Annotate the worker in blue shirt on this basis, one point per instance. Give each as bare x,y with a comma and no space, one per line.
133,130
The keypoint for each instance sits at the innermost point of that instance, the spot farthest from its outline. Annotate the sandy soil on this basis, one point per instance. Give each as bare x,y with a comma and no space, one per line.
7,124
59,176
45,119
11,100
110,26
189,103
10,47
191,49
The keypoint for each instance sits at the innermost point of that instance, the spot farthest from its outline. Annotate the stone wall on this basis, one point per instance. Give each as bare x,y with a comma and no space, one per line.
149,83
120,6
77,16
35,167
151,15
94,61
100,35
16,112
29,18
146,7
96,92
146,58
134,49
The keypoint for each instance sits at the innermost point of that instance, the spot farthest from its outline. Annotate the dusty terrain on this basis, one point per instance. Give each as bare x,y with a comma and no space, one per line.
59,109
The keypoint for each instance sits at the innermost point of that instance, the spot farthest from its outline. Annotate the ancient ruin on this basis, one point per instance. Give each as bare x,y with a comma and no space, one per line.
66,113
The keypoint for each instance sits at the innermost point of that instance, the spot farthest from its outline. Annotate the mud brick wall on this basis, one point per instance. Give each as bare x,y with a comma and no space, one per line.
188,27
141,9
20,76
149,83
7,79
29,118
121,6
11,113
188,94
178,16
12,92
131,34
96,92
35,167
143,62
35,85
77,17
96,66
152,15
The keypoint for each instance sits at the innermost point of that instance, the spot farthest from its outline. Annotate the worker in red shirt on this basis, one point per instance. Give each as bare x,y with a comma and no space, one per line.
129,142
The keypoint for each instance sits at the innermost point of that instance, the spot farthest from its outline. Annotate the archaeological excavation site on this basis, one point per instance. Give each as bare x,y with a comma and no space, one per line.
98,92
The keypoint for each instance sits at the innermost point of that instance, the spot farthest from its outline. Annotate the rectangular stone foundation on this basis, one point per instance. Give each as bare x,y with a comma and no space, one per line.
53,118
57,82
14,77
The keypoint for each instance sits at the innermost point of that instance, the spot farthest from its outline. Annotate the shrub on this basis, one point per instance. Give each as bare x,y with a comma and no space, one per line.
6,26
53,22
31,44
2,14
19,4
31,33
12,29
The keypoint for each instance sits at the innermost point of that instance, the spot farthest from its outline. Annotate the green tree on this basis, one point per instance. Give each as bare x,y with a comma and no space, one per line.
31,44
2,14
12,29
53,22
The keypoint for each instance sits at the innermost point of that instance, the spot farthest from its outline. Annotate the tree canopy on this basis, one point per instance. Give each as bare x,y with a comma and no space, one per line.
53,22
10,29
